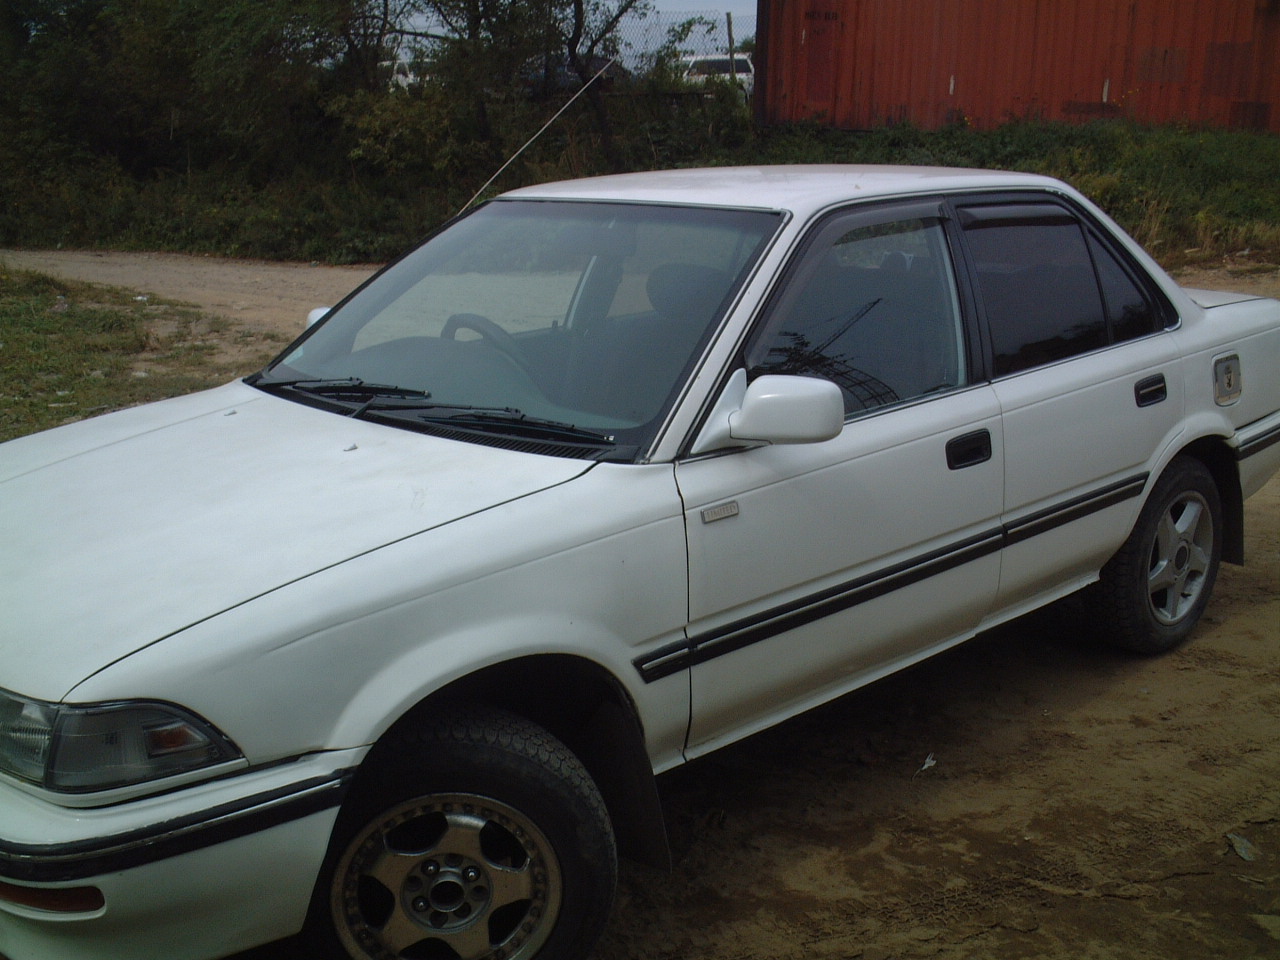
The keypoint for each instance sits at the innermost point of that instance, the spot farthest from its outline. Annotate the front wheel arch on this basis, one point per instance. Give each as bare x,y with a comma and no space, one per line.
590,711
469,832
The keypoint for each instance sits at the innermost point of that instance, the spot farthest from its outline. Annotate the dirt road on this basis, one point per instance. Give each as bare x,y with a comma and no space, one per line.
256,294
1027,795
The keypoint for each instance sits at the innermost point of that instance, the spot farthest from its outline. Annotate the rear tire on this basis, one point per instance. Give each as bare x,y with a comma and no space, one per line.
473,836
1153,591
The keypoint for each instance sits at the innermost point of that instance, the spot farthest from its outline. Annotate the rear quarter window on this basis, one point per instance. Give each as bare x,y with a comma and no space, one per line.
1130,312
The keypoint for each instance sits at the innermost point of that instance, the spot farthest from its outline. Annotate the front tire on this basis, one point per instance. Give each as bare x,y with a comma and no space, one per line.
475,836
1155,588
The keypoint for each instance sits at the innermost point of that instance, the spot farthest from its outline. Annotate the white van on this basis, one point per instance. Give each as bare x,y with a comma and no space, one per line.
698,70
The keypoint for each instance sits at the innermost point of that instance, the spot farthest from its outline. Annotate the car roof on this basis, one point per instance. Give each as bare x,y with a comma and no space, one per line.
800,189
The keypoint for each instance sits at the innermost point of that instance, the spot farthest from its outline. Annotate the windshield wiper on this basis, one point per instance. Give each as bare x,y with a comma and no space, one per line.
393,401
341,388
511,420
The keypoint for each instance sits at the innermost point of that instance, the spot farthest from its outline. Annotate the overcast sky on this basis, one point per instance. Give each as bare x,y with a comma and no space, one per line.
739,8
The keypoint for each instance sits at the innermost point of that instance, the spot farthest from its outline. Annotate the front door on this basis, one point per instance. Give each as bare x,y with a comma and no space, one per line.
815,568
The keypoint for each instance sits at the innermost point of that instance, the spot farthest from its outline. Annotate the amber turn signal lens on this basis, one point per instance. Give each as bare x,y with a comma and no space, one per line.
54,899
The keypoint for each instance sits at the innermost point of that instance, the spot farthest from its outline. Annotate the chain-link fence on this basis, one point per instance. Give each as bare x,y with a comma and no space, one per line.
701,33
643,44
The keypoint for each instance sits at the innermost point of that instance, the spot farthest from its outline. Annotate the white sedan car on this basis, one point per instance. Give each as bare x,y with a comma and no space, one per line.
388,641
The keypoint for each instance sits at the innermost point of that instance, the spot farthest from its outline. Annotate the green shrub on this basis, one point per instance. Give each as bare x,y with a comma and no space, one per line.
1183,193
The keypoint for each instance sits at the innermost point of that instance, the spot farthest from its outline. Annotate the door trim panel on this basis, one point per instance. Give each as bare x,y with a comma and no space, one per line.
703,647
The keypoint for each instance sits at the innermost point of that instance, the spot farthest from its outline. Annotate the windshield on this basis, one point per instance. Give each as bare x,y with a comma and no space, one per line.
716,66
529,315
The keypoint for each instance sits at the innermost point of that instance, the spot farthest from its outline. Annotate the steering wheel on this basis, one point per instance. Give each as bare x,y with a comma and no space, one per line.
489,331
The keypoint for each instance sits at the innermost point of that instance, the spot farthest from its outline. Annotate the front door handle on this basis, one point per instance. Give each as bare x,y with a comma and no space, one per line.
969,450
1150,391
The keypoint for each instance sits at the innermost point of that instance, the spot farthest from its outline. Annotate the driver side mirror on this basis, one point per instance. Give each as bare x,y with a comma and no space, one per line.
773,409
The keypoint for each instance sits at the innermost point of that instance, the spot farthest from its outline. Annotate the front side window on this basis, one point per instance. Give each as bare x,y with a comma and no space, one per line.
872,308
573,323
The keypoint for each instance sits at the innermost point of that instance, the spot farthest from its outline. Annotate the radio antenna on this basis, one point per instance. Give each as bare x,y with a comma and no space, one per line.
554,118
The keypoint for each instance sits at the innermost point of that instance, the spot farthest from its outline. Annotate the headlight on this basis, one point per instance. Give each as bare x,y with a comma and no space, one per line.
86,747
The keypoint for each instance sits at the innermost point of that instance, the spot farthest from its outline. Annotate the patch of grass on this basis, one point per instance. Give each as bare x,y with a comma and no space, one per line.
70,351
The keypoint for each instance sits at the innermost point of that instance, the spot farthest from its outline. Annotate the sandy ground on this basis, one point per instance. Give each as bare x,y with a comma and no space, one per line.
256,295
1028,795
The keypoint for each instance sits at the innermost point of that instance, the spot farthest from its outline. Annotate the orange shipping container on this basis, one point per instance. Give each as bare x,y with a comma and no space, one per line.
865,63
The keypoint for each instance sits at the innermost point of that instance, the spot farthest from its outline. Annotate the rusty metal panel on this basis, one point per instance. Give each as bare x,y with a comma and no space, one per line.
865,63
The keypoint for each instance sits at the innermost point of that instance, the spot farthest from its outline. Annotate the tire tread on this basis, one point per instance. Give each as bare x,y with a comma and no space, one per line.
1118,597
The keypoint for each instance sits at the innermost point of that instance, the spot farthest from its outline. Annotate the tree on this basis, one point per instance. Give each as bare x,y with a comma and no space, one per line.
492,48
592,32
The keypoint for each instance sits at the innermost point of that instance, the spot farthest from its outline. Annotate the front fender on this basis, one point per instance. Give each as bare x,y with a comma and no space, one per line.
595,568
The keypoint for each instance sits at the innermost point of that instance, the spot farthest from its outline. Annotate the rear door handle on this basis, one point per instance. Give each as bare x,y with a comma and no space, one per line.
969,450
1150,391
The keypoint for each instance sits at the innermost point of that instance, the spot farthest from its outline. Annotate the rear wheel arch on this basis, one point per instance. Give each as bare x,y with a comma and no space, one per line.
1220,461
1152,592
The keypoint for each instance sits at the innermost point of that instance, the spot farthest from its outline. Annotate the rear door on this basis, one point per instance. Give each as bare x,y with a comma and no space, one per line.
1084,371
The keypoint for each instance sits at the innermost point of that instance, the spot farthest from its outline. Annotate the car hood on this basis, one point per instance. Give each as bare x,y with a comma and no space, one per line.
122,530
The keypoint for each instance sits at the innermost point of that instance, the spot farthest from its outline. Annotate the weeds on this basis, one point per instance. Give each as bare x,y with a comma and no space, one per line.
1186,194
70,351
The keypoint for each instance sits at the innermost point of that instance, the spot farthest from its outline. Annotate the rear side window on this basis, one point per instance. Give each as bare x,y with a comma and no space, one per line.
1038,289
1050,290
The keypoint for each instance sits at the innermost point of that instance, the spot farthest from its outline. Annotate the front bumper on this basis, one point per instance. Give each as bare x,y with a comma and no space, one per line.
199,873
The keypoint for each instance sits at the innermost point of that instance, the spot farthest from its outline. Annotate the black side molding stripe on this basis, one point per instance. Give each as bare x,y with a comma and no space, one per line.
744,633
700,648
1074,509
663,662
89,858
1258,443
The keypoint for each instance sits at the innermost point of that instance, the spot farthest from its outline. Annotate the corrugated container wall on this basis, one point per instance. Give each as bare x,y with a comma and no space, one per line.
865,63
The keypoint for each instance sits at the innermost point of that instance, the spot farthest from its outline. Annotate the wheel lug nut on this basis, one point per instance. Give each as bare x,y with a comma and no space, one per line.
471,875
420,904
431,868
